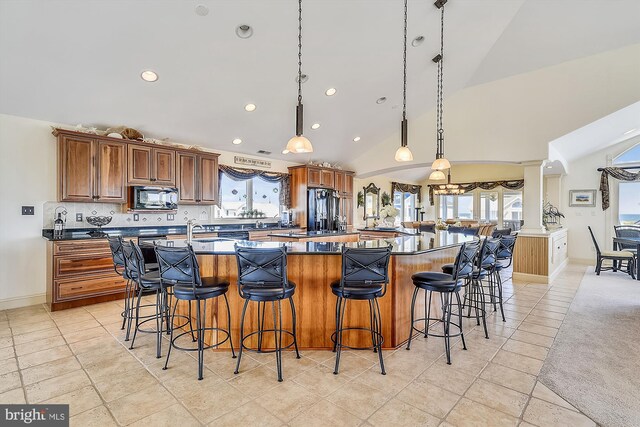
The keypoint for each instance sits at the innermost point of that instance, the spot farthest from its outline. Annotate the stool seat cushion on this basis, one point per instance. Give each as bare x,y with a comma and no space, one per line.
268,293
211,287
357,290
448,268
150,280
617,254
151,266
435,281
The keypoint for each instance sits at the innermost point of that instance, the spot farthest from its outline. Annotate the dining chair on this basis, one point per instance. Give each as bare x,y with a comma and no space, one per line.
613,256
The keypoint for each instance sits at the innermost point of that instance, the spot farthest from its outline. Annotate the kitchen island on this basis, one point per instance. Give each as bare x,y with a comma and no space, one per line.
312,266
316,236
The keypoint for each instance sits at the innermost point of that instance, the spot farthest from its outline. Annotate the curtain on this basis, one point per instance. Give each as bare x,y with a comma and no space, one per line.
617,173
242,174
515,184
406,188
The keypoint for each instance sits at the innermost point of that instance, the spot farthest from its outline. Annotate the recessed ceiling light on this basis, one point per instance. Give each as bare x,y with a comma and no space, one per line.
149,76
202,10
629,131
331,91
244,31
304,78
315,126
250,107
381,100
417,41
285,151
237,141
356,139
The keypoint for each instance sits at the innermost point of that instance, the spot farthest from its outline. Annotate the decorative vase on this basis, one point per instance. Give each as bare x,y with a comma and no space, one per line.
389,221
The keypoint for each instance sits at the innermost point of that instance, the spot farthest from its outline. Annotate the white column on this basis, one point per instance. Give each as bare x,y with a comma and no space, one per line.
532,198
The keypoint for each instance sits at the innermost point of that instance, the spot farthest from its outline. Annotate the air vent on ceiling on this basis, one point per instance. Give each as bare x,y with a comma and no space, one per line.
265,152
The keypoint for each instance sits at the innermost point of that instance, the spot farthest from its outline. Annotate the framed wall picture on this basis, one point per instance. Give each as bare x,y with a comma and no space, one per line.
585,198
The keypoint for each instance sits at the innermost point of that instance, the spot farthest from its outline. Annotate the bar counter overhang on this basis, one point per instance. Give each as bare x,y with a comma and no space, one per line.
312,266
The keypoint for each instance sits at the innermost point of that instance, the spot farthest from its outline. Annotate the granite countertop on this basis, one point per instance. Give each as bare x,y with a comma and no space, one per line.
400,230
311,234
403,245
82,233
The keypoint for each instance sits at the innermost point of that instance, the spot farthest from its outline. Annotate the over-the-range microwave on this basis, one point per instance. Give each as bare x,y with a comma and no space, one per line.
147,198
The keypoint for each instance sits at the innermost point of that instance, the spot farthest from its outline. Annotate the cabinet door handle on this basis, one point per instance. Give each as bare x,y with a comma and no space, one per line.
75,288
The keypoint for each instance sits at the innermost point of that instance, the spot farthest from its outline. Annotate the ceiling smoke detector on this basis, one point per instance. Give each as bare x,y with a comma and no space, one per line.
381,100
265,152
244,31
202,10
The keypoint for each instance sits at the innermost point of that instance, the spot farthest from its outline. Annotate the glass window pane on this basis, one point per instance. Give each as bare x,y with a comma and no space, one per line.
233,197
629,203
266,197
465,206
512,211
489,206
446,207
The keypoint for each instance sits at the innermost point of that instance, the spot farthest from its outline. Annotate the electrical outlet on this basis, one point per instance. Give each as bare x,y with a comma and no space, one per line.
78,217
28,210
136,217
171,217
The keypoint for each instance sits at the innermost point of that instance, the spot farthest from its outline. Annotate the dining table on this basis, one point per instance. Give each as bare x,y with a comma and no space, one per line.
619,242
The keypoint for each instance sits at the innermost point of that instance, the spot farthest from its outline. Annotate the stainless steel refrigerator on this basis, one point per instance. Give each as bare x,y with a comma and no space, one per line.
323,209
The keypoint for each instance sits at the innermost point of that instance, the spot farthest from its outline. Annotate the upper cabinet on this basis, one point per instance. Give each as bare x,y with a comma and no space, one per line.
91,170
151,166
197,178
318,177
95,168
344,183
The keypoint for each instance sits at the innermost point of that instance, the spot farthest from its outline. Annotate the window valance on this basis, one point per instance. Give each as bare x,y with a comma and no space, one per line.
617,173
514,184
407,188
242,174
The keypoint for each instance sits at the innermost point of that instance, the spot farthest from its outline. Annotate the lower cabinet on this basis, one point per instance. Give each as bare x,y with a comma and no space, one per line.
81,272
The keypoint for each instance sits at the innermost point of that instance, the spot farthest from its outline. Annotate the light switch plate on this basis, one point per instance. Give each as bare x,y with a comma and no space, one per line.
136,217
28,210
78,217
171,217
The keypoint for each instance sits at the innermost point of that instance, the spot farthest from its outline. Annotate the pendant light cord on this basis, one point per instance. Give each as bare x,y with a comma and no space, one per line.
299,51
439,106
404,65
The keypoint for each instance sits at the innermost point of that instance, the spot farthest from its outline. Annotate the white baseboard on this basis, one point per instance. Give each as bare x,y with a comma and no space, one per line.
18,302
532,278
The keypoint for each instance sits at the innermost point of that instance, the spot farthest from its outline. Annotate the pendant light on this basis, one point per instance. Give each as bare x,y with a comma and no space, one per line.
299,144
447,189
403,154
440,163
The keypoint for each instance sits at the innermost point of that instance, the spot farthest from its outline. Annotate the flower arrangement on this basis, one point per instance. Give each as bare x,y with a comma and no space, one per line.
388,211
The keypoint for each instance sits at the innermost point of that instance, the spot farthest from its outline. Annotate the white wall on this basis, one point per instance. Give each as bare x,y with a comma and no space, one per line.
28,177
584,176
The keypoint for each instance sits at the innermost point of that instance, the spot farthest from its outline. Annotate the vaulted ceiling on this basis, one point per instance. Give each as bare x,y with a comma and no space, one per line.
75,61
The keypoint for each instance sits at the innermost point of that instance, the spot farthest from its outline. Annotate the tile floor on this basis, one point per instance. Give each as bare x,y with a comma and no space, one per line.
77,357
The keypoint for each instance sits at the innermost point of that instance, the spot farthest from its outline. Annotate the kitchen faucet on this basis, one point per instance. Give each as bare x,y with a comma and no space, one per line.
192,225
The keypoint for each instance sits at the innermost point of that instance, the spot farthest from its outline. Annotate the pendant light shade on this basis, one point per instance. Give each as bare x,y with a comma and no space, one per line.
299,144
403,154
440,165
437,175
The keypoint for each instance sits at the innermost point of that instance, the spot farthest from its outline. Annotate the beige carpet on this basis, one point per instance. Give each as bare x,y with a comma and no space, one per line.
594,362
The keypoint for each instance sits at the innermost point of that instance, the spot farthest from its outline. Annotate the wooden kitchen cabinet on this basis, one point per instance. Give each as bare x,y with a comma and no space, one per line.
151,166
197,178
91,170
344,183
346,208
314,177
80,272
328,178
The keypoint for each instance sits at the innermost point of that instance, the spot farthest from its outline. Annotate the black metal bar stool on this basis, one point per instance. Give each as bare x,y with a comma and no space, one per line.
130,290
365,275
147,282
447,285
179,268
262,277
504,259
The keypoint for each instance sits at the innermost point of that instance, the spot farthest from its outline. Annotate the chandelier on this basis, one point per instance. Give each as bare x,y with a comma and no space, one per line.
299,144
447,189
